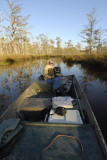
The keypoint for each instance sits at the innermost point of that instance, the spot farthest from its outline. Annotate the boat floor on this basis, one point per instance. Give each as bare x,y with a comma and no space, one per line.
36,136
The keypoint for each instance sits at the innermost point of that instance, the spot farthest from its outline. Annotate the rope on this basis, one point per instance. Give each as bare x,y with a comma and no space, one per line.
61,135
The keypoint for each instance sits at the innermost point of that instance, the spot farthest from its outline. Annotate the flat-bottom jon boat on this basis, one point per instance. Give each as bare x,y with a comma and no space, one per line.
41,125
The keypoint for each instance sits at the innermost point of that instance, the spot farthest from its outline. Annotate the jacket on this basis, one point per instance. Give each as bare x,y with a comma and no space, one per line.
46,71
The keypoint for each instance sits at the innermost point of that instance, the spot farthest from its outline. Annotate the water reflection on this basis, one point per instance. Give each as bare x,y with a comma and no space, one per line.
95,86
17,77
14,79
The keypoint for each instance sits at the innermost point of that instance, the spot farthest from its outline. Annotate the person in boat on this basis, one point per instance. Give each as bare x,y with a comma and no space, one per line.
49,76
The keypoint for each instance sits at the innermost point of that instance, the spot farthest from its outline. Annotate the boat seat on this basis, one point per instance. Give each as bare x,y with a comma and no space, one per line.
46,86
35,104
33,109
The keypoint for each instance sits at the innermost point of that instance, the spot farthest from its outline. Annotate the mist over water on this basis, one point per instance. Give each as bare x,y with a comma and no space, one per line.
14,79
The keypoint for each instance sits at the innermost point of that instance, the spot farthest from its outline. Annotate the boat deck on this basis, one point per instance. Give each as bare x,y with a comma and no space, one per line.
37,136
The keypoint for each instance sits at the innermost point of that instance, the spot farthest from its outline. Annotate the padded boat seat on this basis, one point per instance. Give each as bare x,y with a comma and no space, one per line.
33,109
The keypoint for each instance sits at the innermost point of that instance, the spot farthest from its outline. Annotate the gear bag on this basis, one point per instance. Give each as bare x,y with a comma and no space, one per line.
57,71
60,111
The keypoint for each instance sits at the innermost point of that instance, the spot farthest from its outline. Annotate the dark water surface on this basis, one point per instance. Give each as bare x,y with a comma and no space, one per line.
14,79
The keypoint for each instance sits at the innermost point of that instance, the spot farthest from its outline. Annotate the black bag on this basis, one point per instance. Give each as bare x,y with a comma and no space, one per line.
60,111
57,71
41,77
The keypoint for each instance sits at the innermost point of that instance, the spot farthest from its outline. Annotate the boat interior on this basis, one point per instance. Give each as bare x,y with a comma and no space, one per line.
50,125
41,107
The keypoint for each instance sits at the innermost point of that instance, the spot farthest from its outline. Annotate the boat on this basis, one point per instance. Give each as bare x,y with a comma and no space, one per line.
41,125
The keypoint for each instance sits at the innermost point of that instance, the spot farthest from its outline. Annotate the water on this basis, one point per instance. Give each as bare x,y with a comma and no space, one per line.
14,79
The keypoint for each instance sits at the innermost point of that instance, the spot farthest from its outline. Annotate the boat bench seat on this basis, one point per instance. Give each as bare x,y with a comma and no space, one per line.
35,104
45,86
33,109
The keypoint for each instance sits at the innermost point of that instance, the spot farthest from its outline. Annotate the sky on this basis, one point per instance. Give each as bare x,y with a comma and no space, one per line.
60,18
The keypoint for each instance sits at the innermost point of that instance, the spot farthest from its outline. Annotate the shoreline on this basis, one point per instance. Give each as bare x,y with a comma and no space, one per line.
95,61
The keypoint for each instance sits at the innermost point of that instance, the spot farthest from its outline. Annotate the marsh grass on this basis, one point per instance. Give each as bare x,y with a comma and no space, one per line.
94,60
15,58
97,61
10,59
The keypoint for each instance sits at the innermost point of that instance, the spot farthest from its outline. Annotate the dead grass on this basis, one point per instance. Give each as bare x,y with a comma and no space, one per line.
94,60
97,60
15,58
21,58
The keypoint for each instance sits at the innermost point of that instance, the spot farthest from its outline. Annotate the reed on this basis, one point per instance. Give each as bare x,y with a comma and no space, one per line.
94,60
9,59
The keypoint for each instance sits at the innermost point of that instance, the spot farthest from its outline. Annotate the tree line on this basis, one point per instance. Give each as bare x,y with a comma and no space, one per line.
14,37
96,38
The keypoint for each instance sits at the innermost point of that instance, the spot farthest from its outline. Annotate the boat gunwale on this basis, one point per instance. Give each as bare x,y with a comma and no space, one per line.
97,127
17,100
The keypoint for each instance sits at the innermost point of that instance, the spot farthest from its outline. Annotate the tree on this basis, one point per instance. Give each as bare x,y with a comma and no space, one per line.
79,46
89,32
43,44
69,44
16,29
58,45
51,44
69,47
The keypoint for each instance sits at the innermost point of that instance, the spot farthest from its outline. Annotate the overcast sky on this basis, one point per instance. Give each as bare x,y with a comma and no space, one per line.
60,18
